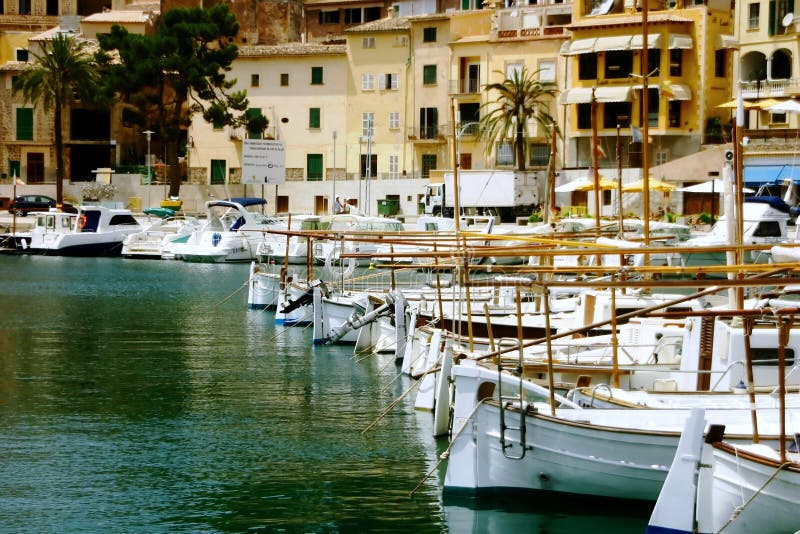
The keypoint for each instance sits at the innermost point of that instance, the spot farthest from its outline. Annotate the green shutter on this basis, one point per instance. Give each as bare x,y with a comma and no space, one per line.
771,27
316,75
429,74
465,5
314,166
14,169
217,171
313,117
24,124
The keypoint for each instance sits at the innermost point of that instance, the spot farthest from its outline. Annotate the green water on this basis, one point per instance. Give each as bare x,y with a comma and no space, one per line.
143,396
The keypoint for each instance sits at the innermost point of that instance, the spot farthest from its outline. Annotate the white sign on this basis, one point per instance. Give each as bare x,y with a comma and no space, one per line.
263,161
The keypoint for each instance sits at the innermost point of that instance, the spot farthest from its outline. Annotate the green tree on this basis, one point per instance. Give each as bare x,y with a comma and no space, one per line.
164,79
519,98
62,70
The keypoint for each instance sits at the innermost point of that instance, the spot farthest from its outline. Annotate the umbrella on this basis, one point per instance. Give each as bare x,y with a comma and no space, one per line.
586,184
733,104
787,106
653,185
711,186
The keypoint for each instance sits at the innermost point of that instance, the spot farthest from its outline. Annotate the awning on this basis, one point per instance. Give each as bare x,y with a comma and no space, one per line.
619,42
604,95
727,41
762,174
653,41
578,95
676,91
580,46
680,41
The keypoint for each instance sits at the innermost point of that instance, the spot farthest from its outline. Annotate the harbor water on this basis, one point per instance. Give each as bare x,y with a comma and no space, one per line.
143,396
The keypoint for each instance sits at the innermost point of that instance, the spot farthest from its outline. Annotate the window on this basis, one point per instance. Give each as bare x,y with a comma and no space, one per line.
505,153
24,7
316,75
778,118
22,54
368,42
584,116
255,80
511,69
373,166
24,124
314,118
217,171
367,124
720,63
778,9
429,74
469,112
619,63
428,35
329,17
253,113
654,61
285,79
394,120
753,14
674,113
314,167
372,13
676,62
547,71
52,8
394,166
769,355
389,81
428,123
617,113
428,163
539,154
352,15
367,82
587,67
661,157
653,104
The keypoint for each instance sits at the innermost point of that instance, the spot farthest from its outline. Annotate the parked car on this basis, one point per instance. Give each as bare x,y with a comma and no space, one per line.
24,204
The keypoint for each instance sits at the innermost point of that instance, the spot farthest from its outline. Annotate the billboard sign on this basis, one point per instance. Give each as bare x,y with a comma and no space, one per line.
263,161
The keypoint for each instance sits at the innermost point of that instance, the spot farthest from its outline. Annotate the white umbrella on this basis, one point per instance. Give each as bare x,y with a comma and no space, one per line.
711,186
789,106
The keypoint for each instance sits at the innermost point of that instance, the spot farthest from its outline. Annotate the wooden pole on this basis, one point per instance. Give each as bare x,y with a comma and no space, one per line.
456,200
645,125
748,354
595,164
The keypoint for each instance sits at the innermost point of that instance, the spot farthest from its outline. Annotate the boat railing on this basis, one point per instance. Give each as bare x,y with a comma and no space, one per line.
599,386
725,372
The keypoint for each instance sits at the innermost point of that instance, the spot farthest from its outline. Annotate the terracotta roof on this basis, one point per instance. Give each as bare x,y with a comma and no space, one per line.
291,49
118,17
431,16
390,24
625,20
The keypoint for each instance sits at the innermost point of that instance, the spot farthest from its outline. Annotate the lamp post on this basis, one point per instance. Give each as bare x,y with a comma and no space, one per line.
333,200
149,134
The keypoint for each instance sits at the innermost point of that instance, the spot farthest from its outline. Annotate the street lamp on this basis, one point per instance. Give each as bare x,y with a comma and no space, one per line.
149,134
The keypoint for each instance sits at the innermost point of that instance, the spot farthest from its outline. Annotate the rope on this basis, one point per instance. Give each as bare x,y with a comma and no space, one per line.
446,454
739,509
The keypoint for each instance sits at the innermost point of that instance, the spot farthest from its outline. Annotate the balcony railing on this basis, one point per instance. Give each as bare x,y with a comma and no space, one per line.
768,88
428,132
465,87
537,20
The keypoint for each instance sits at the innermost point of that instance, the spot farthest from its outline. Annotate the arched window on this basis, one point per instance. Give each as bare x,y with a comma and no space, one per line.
781,65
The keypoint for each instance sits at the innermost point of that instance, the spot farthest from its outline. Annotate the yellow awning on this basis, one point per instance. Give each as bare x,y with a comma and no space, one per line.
727,41
680,41
653,184
732,104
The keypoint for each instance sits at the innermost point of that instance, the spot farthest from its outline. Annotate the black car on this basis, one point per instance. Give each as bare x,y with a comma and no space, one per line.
24,204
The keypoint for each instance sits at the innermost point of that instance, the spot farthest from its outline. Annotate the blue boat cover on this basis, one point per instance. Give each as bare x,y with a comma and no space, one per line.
774,202
758,175
247,201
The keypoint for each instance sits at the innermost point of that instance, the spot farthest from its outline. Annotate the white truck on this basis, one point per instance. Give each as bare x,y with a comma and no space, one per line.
497,192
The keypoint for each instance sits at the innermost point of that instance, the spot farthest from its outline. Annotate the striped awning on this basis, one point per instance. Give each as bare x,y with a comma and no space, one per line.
676,91
727,41
578,95
579,46
680,41
619,42
603,95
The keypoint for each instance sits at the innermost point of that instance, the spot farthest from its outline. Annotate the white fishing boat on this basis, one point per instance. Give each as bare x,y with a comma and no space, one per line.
152,242
93,231
232,233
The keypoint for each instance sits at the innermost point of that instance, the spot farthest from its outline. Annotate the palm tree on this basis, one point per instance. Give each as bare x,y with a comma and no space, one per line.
61,71
519,98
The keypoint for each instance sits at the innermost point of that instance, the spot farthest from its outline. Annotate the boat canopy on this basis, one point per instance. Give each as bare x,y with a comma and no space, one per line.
774,202
247,201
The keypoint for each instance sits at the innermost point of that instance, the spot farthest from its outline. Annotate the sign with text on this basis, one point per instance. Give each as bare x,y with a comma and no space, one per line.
263,161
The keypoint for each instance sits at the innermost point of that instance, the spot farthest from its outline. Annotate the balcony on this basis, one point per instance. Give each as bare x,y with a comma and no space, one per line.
533,21
429,133
469,86
769,88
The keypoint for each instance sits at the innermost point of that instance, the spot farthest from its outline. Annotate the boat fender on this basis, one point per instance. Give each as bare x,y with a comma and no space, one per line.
82,222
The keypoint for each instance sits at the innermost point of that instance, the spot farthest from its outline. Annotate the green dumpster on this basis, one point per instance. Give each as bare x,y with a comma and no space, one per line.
388,207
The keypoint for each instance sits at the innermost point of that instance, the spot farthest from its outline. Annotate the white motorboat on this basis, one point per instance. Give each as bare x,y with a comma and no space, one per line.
93,231
352,226
232,233
295,252
153,240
